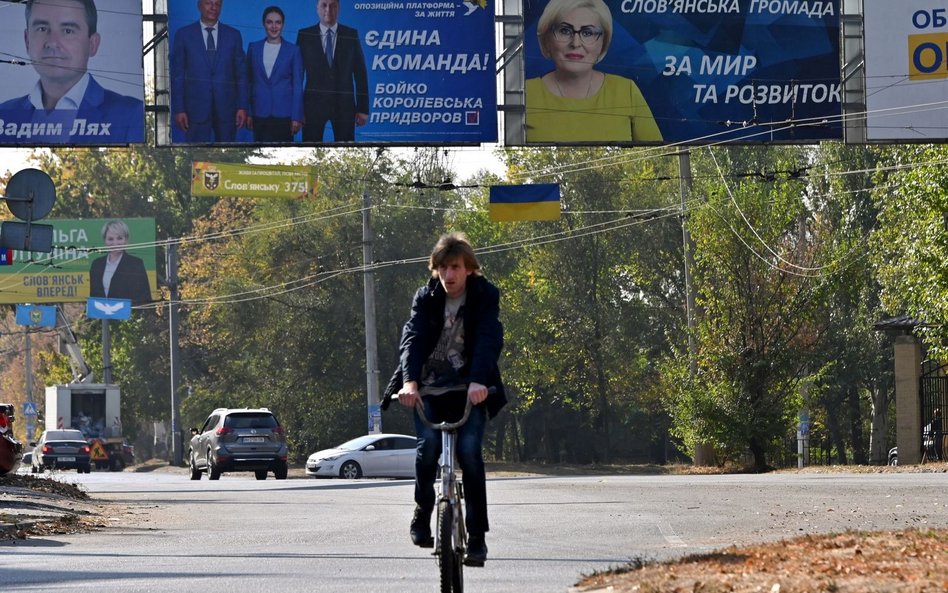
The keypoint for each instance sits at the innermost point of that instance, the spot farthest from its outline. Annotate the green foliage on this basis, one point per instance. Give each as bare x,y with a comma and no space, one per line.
595,361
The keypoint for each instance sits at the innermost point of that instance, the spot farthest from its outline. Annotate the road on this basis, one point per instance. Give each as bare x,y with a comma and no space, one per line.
237,534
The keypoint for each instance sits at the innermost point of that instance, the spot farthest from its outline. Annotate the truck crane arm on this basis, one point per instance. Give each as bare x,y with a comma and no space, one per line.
81,371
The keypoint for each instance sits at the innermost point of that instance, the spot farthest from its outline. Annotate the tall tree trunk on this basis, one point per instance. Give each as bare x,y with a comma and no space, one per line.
855,424
878,454
835,434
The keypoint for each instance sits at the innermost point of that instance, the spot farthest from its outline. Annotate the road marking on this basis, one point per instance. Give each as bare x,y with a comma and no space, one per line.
669,534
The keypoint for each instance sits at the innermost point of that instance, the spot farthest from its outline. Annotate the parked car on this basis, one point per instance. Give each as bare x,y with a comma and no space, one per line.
369,456
61,449
236,440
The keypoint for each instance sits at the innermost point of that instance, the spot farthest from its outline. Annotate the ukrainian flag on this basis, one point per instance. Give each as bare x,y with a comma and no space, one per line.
540,201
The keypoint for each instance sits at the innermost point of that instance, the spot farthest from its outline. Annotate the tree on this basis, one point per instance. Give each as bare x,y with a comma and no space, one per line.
755,328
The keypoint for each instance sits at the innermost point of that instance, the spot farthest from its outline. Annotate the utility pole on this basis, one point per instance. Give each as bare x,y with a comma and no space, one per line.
29,386
106,352
684,172
171,270
704,452
371,345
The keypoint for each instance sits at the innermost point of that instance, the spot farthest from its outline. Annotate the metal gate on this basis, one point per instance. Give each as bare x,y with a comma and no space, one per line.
933,391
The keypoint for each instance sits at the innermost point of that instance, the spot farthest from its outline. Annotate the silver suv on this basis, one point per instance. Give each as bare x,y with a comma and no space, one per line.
241,439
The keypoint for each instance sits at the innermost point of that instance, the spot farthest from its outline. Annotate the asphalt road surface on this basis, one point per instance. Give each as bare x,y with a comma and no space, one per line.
237,534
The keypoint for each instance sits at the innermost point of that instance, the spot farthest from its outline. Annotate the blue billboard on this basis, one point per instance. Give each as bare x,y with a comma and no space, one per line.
318,72
681,71
72,73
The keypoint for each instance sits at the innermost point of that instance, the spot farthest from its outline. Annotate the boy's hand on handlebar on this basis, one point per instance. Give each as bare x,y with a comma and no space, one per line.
408,394
476,393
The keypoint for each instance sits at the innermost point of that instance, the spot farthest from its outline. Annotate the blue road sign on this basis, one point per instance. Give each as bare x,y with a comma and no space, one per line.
100,308
44,315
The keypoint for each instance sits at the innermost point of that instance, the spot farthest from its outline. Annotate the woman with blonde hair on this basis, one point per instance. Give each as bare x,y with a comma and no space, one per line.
575,102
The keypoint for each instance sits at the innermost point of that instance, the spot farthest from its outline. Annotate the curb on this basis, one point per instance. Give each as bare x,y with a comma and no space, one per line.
21,526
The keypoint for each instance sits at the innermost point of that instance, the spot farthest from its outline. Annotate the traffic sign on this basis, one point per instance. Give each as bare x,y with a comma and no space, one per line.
97,452
29,409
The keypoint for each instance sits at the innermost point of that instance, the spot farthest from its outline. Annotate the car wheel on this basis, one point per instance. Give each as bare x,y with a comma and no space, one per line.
281,471
117,464
350,470
192,465
213,472
87,469
261,474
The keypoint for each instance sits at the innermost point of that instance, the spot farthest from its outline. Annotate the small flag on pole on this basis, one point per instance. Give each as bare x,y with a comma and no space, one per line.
42,315
540,201
102,308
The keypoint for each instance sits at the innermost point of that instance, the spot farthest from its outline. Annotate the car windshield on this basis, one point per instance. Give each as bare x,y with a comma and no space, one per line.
356,444
250,421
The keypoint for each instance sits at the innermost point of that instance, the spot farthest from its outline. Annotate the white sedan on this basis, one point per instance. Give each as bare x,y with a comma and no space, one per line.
369,456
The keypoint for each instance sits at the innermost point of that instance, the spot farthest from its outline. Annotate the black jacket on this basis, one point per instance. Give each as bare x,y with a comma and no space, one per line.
483,338
130,280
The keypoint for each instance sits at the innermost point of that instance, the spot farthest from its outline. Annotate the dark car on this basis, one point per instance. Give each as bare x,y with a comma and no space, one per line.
239,439
61,449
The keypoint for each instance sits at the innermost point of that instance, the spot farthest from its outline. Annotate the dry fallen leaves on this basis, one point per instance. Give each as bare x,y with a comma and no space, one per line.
908,561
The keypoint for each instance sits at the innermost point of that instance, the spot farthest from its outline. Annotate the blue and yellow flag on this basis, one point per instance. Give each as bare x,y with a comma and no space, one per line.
540,201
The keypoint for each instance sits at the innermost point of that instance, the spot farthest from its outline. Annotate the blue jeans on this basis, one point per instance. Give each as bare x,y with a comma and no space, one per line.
470,437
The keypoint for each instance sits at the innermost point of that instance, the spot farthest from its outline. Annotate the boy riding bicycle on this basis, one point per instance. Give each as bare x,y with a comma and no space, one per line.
448,354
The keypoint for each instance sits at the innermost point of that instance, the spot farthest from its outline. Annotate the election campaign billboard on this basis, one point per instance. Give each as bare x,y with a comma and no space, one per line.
681,71
73,74
906,70
111,258
400,72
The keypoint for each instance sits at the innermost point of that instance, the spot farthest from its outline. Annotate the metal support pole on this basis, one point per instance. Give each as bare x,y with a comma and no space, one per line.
171,268
29,386
371,345
704,452
106,352
684,171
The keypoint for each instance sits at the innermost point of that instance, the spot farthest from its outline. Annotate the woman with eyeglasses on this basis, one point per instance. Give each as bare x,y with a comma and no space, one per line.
575,102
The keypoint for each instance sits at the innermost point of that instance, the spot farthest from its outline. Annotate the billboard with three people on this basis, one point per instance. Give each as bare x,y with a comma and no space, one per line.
324,71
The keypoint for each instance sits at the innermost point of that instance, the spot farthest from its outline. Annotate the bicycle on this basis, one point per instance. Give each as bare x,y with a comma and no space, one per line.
450,546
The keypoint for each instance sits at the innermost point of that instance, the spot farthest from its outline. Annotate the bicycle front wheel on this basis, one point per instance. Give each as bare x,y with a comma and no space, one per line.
449,557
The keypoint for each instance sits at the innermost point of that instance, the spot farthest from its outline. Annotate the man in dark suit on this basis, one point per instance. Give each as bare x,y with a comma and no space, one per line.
209,96
337,83
68,105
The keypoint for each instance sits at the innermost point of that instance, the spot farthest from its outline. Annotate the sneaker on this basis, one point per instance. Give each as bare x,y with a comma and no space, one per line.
476,551
421,528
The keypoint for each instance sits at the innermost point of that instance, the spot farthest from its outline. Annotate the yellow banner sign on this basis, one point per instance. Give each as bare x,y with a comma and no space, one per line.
251,181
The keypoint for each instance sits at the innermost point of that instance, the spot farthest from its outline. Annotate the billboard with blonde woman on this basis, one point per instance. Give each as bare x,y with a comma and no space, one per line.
681,71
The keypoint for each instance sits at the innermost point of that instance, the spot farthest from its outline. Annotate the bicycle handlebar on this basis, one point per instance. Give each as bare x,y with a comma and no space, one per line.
420,408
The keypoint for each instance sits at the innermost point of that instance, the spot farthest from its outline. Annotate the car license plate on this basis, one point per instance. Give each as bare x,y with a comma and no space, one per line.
67,459
254,439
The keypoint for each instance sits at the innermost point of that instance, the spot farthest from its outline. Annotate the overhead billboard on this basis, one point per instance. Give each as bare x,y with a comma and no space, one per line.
399,72
681,71
72,75
906,70
239,180
109,258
